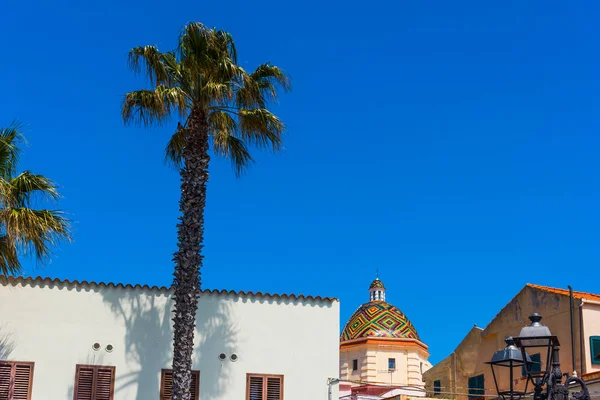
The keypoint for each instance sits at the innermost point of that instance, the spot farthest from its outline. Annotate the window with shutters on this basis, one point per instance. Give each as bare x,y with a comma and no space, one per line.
94,382
437,387
16,379
166,384
476,387
595,349
264,387
535,367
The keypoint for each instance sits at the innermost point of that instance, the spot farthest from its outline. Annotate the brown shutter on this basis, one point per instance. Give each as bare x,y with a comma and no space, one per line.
104,383
255,387
274,388
15,380
94,382
166,385
84,383
5,373
264,387
22,382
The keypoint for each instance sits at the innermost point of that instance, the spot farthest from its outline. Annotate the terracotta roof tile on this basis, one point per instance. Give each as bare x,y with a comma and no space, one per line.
85,284
565,292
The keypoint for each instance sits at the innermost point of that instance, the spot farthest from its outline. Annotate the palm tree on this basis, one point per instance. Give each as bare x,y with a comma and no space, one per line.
25,231
222,107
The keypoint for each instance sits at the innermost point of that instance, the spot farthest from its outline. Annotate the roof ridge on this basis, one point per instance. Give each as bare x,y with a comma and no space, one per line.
565,292
56,281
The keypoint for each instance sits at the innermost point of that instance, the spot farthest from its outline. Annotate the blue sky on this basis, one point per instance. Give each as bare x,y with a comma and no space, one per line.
452,145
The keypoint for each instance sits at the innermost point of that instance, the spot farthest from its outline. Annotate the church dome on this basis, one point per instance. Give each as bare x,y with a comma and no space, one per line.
378,319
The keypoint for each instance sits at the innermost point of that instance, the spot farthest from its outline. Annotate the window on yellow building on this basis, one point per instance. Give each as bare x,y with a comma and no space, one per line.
595,349
476,386
354,365
536,366
437,387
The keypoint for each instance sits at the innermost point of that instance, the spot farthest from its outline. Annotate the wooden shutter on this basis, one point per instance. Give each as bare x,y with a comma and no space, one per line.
255,387
476,387
104,383
264,387
5,373
166,385
16,379
274,388
94,382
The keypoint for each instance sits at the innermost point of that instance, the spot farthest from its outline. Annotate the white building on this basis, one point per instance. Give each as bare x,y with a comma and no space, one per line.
96,341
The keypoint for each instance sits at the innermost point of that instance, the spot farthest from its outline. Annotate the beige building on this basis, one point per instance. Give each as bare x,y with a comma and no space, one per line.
381,354
65,340
464,375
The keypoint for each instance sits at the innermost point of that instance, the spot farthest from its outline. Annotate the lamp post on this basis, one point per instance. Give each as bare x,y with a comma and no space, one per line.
537,335
507,360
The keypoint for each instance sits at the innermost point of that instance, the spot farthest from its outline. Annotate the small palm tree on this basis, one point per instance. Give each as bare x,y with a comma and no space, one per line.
25,231
223,108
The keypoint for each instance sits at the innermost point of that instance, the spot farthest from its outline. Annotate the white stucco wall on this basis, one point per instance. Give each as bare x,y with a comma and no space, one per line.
55,326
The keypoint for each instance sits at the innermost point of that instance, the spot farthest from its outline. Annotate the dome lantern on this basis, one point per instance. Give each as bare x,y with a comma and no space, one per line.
377,291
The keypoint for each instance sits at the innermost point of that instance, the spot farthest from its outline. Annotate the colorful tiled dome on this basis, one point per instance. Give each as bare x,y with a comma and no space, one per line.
378,319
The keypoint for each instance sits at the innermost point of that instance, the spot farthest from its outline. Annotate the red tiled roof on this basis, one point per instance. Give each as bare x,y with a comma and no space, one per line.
565,292
85,284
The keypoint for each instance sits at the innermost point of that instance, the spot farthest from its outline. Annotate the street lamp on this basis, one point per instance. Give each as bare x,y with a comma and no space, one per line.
537,335
507,360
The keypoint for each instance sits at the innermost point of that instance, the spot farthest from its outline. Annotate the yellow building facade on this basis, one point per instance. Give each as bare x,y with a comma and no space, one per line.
463,375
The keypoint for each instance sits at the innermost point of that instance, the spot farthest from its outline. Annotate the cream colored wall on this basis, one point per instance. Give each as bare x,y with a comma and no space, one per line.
478,348
373,364
591,327
55,327
346,372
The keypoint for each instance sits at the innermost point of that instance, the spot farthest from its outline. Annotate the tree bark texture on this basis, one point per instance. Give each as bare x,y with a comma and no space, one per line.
188,258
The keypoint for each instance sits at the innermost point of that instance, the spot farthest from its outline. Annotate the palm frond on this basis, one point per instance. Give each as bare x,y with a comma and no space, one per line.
233,148
9,259
174,149
227,44
18,191
220,93
219,120
248,94
173,99
261,128
269,77
173,68
150,107
35,232
153,61
196,49
10,138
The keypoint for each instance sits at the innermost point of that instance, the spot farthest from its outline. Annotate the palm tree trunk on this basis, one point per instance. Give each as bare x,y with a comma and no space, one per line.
188,258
